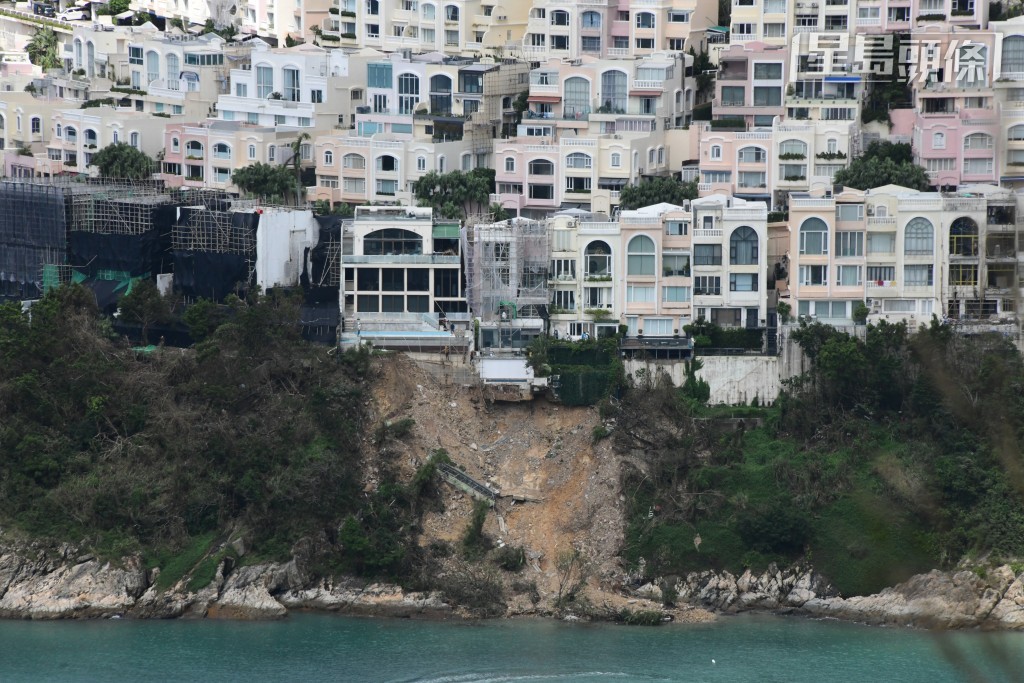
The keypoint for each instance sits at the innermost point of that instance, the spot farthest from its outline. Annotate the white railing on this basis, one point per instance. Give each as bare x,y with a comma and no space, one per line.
599,228
544,88
811,203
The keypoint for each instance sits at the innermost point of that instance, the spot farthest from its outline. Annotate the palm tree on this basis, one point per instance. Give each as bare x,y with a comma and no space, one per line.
42,48
296,160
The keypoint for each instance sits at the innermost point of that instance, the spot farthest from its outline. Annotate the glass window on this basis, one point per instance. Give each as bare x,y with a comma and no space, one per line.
707,255
743,282
743,247
640,256
919,237
814,237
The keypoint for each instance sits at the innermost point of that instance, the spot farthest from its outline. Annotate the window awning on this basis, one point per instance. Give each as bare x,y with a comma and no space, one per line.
545,99
448,231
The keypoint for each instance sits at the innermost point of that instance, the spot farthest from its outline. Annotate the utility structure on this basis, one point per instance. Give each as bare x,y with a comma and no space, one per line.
507,280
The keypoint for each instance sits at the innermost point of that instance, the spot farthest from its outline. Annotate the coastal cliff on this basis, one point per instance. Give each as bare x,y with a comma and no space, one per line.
42,583
59,583
935,600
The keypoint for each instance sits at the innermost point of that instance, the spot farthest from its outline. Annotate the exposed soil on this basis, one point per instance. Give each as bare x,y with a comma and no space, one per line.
559,489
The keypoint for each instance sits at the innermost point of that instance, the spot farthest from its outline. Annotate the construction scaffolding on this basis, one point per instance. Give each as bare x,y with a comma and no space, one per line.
32,234
506,269
214,247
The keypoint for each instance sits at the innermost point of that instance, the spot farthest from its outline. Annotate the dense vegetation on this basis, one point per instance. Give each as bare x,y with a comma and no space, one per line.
896,454
254,434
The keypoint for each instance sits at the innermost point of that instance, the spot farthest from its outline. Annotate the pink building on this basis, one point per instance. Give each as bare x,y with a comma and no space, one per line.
956,122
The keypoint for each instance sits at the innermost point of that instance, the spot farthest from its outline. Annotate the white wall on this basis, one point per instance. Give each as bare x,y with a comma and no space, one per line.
282,237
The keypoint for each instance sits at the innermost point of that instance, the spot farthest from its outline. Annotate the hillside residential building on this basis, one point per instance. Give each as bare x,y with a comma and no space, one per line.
595,124
450,27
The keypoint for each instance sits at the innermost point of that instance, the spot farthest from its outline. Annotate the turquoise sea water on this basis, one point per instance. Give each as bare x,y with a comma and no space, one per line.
308,647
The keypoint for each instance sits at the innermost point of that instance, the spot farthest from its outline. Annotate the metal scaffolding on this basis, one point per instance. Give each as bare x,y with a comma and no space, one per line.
506,268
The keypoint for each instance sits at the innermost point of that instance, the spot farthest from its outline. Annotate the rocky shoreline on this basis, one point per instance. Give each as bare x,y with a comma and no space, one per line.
39,583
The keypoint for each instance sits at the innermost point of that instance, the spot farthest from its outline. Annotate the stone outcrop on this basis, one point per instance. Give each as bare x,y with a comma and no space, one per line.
936,600
47,583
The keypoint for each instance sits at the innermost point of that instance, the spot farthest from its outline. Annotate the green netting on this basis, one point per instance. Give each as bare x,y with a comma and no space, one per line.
582,385
51,277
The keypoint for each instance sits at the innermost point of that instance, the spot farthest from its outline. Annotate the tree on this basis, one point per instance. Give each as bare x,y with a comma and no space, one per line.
264,180
121,160
884,163
145,306
296,162
42,49
655,191
456,194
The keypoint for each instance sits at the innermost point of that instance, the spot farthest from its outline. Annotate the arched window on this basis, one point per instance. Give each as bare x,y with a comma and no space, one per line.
919,237
743,247
598,257
194,149
542,167
579,160
814,237
510,164
614,93
152,66
1016,133
752,155
576,97
793,149
134,140
173,72
1013,55
387,163
441,95
353,160
963,237
640,256
559,17
938,140
644,20
616,160
222,150
408,93
451,13
591,19
428,12
978,141
392,242
328,157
